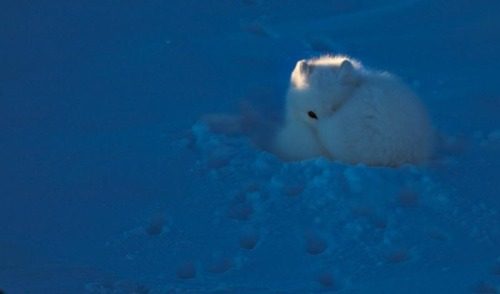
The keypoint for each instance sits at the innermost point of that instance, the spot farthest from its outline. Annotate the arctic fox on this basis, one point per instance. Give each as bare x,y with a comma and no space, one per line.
337,109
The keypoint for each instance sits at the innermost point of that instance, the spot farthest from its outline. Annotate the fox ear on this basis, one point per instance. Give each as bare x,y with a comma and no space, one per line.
300,74
303,67
347,74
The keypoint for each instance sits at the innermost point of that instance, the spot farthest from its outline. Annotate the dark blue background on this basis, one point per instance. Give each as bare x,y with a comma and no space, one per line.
96,95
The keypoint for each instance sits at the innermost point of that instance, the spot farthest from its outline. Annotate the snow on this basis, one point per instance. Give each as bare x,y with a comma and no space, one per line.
110,181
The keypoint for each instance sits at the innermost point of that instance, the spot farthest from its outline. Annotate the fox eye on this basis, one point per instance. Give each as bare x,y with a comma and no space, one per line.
312,115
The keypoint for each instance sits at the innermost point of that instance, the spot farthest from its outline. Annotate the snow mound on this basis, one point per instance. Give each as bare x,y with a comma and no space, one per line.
339,221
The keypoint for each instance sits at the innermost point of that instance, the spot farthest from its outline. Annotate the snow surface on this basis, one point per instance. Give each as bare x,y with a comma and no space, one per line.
109,183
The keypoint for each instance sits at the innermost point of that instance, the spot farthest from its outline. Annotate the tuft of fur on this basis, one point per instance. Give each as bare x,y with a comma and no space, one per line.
360,116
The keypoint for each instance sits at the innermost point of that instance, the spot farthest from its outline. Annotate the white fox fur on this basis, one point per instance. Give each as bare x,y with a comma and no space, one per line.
337,109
